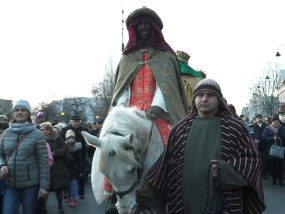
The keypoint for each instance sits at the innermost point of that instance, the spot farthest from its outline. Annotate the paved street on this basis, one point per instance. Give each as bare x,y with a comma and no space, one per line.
84,206
274,195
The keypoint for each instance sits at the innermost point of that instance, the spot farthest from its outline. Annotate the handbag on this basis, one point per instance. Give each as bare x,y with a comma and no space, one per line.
2,182
277,151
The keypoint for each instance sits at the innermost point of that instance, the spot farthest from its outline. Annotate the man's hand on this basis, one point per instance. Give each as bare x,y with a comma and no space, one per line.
214,168
153,112
42,193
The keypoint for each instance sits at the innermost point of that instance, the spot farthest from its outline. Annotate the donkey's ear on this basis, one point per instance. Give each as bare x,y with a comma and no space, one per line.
91,140
128,140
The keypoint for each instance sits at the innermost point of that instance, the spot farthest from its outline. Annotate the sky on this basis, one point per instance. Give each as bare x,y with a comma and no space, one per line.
57,48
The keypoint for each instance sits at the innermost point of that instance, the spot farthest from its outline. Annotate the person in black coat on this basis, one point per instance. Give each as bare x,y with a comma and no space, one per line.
75,125
259,127
59,178
75,167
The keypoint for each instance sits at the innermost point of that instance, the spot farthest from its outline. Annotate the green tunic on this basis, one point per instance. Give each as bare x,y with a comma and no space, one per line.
204,144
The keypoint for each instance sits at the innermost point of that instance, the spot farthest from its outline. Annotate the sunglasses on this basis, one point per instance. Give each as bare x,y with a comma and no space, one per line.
71,138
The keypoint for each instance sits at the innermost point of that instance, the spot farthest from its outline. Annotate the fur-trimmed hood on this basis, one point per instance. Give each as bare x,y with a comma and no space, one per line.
52,136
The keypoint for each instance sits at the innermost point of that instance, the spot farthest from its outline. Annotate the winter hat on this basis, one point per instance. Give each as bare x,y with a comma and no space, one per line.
144,12
75,117
22,103
213,86
275,118
69,134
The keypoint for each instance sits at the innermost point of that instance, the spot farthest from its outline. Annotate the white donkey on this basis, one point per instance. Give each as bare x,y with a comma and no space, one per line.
129,145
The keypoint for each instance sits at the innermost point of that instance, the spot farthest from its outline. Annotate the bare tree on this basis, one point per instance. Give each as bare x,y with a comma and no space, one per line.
50,111
6,108
103,91
76,105
264,89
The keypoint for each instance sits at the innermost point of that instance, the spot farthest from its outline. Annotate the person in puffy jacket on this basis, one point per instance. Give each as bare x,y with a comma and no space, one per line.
26,171
275,133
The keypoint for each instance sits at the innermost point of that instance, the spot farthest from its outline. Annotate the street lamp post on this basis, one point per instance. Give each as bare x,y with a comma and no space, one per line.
277,53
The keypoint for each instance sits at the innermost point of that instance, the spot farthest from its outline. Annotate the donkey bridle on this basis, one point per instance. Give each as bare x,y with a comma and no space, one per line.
121,194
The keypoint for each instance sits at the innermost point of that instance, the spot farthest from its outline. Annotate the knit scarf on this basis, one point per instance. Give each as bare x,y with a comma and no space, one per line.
23,127
275,130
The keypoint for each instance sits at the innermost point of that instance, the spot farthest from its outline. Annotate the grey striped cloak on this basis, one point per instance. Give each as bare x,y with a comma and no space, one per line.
237,149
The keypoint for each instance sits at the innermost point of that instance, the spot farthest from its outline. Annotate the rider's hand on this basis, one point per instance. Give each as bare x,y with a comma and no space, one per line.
153,112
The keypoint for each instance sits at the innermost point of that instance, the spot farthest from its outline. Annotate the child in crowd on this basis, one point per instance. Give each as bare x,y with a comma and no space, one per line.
75,167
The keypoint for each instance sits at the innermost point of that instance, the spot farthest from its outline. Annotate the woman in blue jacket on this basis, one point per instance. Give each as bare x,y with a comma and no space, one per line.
275,133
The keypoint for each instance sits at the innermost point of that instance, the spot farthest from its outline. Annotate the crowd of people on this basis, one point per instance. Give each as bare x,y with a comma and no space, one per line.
265,132
37,159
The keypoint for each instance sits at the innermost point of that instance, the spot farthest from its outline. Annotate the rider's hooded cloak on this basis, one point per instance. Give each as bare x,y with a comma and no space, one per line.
160,58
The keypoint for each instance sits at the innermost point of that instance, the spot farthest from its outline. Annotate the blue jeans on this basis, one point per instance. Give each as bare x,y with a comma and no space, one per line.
73,188
12,199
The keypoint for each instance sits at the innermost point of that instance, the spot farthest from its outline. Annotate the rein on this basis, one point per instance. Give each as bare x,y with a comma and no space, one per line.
121,194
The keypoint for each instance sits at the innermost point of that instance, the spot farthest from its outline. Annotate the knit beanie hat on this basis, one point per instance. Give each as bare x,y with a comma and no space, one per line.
274,118
22,103
213,86
69,134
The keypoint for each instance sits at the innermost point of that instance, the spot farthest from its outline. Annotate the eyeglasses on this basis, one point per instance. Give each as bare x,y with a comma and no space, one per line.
70,138
20,110
266,120
42,129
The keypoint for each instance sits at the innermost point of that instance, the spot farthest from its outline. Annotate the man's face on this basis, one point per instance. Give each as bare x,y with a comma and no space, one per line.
207,103
143,29
75,123
259,119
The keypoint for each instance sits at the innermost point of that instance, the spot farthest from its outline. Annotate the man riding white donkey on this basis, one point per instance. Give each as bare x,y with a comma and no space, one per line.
148,76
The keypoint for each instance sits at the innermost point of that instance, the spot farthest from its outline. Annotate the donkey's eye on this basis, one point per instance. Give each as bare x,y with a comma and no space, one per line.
112,153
